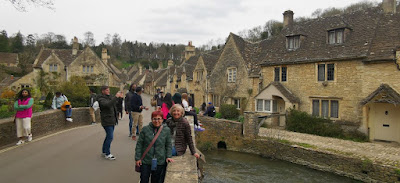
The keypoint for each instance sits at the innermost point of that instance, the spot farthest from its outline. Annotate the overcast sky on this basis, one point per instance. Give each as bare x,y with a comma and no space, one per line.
169,21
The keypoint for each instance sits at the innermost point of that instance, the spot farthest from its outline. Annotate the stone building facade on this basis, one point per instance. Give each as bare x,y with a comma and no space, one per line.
61,64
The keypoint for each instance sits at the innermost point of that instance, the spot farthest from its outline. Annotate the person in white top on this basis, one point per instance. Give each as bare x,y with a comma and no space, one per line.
188,111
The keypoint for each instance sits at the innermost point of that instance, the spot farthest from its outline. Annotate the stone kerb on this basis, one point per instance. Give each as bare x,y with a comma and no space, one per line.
184,168
46,122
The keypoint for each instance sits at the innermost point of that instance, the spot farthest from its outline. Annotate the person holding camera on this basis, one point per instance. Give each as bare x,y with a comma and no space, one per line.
137,108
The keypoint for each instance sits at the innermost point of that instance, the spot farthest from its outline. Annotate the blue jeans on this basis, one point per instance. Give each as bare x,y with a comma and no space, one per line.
130,123
174,153
109,137
156,176
68,113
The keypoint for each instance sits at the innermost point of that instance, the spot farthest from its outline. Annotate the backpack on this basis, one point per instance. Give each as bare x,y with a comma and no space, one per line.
213,112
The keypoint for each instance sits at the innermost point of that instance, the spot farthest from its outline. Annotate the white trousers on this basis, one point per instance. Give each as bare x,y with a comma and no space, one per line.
23,126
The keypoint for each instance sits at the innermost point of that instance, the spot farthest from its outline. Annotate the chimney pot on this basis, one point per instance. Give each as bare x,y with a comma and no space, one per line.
12,77
287,18
389,6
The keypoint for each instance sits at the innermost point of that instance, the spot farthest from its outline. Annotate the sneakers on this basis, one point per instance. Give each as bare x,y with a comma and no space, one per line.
130,135
93,123
29,137
20,142
109,157
68,119
199,129
120,118
200,124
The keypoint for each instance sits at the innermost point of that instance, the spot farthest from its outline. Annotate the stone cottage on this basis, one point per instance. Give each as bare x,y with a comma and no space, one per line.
61,64
344,67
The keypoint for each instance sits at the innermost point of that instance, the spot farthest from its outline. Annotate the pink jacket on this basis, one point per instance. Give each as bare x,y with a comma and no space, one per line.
25,113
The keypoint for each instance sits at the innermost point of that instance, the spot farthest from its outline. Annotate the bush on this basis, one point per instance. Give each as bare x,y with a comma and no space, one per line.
241,119
76,91
302,122
196,109
97,89
48,101
218,115
229,111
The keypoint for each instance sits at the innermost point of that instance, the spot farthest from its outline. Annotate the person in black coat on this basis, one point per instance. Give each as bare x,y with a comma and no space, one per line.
137,107
119,105
109,118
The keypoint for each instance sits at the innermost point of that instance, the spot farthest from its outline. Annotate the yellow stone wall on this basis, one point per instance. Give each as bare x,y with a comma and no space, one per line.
302,81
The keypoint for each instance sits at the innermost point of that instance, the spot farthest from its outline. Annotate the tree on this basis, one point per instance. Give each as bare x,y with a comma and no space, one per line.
17,45
21,5
88,39
4,47
76,91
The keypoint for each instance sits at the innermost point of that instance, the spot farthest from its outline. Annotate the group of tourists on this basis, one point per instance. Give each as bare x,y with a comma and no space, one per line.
169,133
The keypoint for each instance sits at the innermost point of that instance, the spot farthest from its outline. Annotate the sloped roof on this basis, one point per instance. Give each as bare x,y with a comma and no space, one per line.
285,92
137,79
210,59
387,38
8,58
388,95
367,32
250,53
7,82
162,77
65,55
189,66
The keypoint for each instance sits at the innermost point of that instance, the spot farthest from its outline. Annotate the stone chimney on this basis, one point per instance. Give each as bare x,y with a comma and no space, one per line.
140,69
12,77
287,18
190,50
75,46
389,6
104,55
170,63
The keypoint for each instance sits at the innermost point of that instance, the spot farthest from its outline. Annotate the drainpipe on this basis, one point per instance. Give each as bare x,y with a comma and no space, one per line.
66,73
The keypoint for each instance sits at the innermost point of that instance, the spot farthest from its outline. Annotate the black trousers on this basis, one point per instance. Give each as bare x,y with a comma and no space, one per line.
191,113
157,176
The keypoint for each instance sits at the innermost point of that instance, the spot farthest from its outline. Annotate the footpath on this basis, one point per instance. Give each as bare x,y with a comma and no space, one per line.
384,153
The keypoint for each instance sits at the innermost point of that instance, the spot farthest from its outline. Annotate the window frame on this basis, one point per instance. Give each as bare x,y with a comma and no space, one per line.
280,72
293,42
329,73
264,101
53,67
330,109
232,74
335,35
236,101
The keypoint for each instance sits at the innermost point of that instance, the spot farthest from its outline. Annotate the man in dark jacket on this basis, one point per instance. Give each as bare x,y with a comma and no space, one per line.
210,110
137,107
109,118
128,109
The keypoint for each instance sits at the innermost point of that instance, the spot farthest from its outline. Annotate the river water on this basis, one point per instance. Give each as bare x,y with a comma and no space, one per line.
234,167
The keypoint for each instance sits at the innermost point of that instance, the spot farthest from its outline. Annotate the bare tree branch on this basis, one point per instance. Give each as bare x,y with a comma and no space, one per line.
21,5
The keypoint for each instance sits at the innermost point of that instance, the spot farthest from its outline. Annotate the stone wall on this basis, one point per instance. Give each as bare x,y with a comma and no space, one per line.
46,122
239,138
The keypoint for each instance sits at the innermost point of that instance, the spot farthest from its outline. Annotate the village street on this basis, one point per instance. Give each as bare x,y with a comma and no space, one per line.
73,156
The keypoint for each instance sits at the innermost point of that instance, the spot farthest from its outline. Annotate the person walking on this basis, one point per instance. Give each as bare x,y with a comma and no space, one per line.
92,100
109,118
120,100
181,132
23,105
137,108
153,161
128,110
58,103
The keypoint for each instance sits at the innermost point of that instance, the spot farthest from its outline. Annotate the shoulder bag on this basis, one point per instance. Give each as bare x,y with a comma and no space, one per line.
137,168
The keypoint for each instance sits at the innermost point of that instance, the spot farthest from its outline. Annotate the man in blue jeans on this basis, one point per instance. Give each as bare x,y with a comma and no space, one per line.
109,118
128,109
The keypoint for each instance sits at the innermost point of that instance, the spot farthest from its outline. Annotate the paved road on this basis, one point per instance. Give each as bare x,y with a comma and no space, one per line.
73,156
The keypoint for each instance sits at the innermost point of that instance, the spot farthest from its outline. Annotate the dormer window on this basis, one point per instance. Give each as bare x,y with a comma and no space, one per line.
293,42
336,36
53,68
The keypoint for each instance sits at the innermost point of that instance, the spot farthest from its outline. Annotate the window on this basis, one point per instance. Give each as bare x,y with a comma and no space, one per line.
325,108
326,72
232,75
293,42
280,76
336,36
215,100
199,75
87,69
265,105
53,68
237,103
91,68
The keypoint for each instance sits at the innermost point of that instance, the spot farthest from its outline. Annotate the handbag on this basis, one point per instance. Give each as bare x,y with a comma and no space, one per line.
65,105
153,102
137,168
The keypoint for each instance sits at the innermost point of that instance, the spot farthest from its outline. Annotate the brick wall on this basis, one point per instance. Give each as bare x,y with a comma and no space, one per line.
46,122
